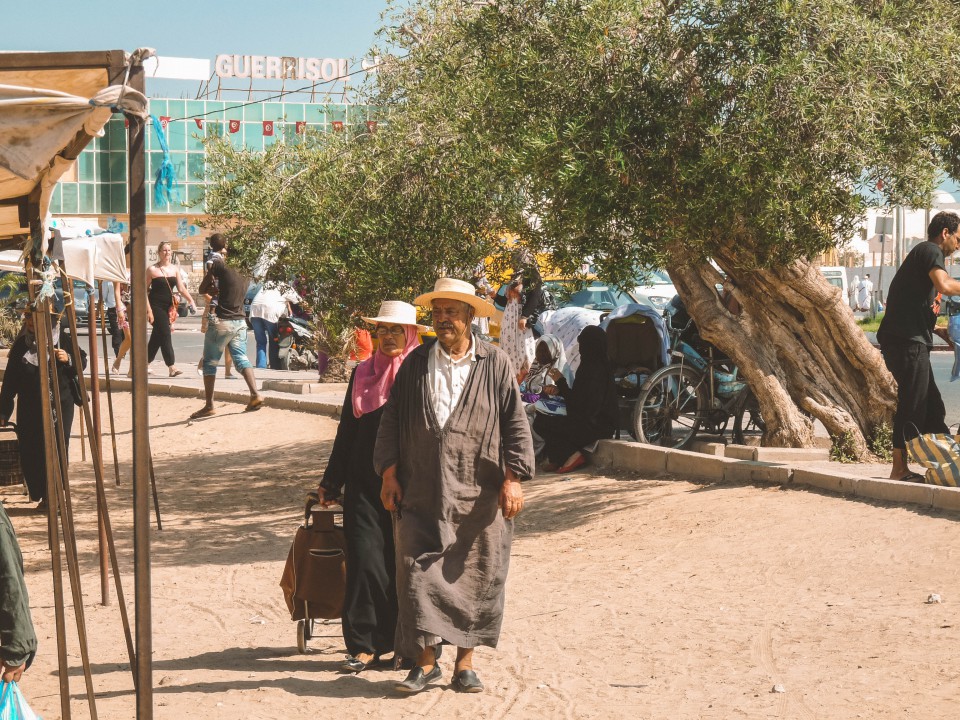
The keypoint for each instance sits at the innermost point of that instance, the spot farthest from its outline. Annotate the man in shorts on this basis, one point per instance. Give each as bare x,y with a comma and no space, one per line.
227,329
217,244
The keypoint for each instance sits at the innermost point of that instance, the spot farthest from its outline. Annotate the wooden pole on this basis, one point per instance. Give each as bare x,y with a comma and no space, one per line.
95,435
42,315
87,418
66,511
141,410
106,375
153,488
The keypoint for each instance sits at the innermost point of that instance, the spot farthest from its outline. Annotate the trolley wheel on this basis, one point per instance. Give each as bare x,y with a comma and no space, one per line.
671,407
303,635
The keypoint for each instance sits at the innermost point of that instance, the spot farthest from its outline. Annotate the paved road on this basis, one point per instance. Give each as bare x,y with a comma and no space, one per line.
188,347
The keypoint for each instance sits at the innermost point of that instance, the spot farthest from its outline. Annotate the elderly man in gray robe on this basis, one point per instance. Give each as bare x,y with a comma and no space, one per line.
453,446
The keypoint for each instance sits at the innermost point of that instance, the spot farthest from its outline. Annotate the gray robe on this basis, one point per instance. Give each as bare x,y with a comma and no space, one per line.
452,543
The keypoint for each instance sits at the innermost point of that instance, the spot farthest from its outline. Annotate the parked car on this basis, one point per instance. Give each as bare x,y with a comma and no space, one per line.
654,288
589,294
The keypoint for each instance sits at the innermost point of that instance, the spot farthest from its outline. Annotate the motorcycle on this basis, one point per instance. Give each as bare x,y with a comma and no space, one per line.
296,342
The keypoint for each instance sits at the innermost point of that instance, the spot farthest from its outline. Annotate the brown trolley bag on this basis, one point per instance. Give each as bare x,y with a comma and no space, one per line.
10,473
315,577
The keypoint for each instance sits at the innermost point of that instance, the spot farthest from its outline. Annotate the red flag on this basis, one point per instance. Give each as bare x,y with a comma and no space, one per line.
126,123
199,122
234,126
337,125
268,128
301,127
371,126
164,121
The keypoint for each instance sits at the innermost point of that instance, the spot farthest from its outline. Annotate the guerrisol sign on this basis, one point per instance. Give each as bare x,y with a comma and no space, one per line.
269,67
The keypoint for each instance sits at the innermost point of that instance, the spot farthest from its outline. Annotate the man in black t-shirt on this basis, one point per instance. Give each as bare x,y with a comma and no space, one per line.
906,336
227,330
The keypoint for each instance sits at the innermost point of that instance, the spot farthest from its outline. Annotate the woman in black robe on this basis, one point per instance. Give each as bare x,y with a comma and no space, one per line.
21,381
592,412
370,605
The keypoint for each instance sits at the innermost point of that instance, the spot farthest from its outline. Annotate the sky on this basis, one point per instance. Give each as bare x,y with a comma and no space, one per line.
195,28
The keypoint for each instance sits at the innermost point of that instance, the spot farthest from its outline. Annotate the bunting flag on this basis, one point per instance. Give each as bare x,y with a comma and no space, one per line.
301,127
234,126
337,125
199,122
164,121
371,126
268,128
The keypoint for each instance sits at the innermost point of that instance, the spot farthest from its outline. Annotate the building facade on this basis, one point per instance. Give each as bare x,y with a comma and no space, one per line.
96,185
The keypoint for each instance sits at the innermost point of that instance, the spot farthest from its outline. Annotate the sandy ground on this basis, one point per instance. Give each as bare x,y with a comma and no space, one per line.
628,597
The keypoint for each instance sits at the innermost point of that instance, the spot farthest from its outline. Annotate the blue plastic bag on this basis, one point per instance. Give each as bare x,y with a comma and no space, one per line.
13,706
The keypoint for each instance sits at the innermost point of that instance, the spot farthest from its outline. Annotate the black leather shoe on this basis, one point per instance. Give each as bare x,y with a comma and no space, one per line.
467,681
417,680
356,665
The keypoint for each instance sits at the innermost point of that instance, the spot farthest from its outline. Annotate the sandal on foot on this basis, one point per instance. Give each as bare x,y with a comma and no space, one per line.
254,404
202,413
913,478
176,373
467,681
576,460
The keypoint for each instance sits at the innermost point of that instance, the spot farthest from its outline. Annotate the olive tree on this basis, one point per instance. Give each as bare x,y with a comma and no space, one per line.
651,132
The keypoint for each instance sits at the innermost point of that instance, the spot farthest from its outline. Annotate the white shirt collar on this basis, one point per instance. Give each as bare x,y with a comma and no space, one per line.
469,356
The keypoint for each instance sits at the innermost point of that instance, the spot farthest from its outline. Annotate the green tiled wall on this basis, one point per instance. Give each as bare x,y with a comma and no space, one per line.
102,167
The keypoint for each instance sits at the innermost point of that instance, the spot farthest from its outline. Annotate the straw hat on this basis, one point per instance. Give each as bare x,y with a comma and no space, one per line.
453,289
396,312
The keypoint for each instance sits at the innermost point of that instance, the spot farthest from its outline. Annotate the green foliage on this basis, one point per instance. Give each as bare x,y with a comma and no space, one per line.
11,319
881,442
633,132
871,324
843,449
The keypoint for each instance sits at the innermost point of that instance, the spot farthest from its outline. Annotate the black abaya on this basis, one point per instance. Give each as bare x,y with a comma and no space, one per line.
370,606
22,381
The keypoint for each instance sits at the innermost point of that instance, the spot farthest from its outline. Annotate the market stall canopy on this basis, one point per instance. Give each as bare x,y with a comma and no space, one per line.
51,106
99,257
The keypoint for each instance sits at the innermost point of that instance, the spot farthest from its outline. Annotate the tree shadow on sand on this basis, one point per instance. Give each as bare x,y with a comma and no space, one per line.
259,664
253,499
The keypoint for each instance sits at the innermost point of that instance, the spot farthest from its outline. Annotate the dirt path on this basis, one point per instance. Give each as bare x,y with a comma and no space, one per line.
627,598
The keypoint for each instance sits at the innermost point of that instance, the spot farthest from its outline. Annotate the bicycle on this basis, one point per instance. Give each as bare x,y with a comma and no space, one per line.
693,393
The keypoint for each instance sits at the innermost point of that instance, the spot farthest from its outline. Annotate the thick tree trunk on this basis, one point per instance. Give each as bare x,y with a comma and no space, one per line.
798,345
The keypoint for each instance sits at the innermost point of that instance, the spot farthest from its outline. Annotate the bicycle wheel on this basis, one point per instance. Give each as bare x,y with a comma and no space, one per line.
748,422
670,408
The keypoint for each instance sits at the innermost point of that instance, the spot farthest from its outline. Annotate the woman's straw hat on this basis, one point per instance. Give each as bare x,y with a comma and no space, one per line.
453,289
396,312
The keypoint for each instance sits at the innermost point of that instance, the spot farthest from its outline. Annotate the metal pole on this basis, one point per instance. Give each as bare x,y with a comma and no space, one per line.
141,411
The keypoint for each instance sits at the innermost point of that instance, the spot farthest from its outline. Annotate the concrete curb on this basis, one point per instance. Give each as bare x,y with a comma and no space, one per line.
787,473
271,399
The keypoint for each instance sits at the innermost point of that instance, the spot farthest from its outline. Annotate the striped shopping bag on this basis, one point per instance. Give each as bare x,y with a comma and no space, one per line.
939,453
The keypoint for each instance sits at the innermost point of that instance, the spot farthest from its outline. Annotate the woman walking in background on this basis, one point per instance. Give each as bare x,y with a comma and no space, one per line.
162,278
524,302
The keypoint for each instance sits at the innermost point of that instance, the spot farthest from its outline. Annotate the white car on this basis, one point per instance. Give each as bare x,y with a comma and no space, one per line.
654,288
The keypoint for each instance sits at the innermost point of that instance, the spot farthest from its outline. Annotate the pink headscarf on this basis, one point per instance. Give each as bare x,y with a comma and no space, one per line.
374,376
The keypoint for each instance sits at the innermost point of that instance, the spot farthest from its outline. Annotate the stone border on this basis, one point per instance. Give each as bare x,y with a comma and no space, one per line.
653,460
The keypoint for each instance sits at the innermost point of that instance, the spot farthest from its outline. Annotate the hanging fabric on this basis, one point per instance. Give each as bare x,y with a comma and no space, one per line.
165,188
